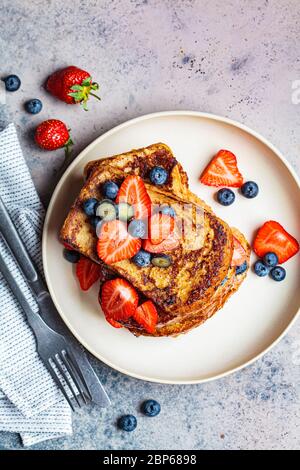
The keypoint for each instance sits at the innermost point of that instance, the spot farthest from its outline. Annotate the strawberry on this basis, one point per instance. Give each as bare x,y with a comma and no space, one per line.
115,243
72,85
118,299
87,272
134,192
239,254
69,247
113,323
222,171
272,237
146,315
53,134
168,244
160,227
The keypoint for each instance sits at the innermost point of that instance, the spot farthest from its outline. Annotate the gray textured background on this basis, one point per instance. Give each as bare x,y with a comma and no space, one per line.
235,58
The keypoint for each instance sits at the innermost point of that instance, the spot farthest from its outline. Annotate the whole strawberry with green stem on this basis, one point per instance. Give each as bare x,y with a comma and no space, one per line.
72,85
52,135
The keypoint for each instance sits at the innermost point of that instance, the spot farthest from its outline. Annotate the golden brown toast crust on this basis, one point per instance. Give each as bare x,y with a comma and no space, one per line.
184,291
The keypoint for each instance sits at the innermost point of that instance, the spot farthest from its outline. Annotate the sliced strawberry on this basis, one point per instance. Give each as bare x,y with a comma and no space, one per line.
146,315
273,237
134,192
161,227
239,255
118,299
66,245
87,272
113,323
222,171
115,243
168,244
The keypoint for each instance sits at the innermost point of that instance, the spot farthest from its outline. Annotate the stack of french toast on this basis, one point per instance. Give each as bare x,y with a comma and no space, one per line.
191,270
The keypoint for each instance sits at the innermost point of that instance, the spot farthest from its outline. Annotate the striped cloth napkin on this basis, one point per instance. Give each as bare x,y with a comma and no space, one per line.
30,402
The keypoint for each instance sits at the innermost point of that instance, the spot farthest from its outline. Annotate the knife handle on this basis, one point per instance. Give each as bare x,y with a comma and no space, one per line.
15,244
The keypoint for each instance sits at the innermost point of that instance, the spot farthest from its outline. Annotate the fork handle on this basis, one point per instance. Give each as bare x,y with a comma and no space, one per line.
34,319
14,242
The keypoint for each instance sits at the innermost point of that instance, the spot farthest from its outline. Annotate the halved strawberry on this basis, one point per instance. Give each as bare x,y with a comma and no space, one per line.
66,245
222,171
239,255
87,272
134,192
161,227
146,315
113,323
168,244
118,299
115,243
273,237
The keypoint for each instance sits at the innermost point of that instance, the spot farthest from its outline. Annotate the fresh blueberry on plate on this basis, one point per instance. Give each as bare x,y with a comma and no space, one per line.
137,228
106,210
261,269
125,211
142,258
242,268
161,261
167,210
151,408
225,196
33,106
110,190
71,255
249,189
270,259
278,273
158,175
89,206
127,423
95,221
12,82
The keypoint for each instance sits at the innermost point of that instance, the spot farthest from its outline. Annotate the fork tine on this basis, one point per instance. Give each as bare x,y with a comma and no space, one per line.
58,382
69,368
73,364
67,380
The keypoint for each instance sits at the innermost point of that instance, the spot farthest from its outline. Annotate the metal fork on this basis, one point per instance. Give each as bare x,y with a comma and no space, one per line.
52,348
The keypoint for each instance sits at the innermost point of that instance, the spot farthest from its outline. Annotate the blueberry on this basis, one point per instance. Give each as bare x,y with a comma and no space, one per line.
12,82
137,229
110,190
167,210
260,269
161,261
151,408
33,106
278,273
225,196
242,268
95,220
125,211
127,423
106,210
158,175
249,189
270,259
89,206
142,258
71,255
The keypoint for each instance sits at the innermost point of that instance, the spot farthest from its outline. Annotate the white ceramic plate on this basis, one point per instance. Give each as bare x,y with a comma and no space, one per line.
253,320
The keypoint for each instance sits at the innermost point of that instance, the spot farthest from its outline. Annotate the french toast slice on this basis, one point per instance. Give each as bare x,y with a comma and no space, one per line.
189,291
